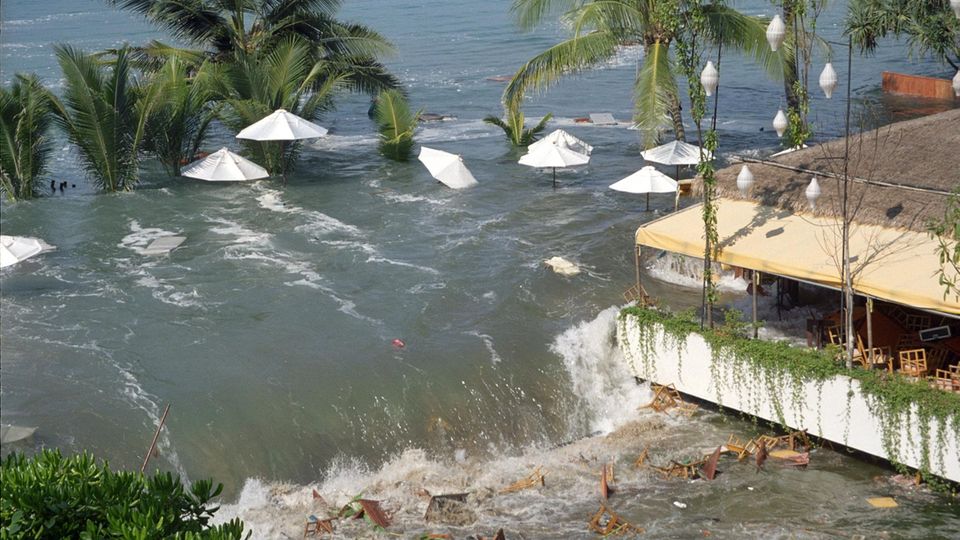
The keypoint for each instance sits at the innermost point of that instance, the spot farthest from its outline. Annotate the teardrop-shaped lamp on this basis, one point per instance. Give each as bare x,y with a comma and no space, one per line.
780,123
828,80
709,78
744,180
776,31
813,192
956,83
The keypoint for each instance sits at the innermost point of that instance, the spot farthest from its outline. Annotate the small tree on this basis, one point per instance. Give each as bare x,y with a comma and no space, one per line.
947,234
26,113
104,115
513,126
50,496
396,124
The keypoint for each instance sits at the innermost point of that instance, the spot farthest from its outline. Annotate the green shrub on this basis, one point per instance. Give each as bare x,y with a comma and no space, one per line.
50,496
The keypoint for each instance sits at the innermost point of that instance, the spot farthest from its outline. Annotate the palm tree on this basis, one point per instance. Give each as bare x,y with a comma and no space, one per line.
601,27
104,114
930,27
225,28
26,113
513,126
178,124
396,123
286,77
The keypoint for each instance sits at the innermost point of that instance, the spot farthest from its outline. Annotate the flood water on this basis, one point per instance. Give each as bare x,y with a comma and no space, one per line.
269,331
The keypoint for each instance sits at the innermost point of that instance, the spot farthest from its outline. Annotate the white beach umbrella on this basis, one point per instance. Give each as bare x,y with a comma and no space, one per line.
554,157
647,180
675,153
562,138
281,125
224,166
447,168
14,249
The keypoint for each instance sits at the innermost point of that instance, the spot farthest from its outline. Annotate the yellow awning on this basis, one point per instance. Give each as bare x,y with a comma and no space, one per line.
889,264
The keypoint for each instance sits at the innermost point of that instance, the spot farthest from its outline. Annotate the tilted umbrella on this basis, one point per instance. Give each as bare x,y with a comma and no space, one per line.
676,153
447,168
647,180
14,249
282,126
562,138
554,157
224,166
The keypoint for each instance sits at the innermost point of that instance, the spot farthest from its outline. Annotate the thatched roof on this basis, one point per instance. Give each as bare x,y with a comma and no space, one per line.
901,174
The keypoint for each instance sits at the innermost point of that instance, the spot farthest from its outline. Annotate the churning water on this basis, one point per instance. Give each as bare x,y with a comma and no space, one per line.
269,331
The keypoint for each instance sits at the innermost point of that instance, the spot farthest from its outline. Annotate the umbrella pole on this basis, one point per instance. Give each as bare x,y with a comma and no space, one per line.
554,178
648,202
283,161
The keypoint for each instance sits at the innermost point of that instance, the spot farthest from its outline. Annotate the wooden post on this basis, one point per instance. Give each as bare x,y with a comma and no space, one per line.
156,435
636,260
870,329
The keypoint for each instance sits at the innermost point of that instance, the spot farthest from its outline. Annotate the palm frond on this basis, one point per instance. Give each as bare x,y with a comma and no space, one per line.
25,117
396,123
655,90
747,34
530,13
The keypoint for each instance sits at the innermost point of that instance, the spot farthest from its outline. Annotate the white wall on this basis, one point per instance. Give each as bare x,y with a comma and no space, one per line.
824,409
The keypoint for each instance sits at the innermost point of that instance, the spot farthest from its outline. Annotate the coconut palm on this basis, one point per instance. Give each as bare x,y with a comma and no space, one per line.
178,124
513,126
225,28
26,113
286,77
396,123
104,114
601,27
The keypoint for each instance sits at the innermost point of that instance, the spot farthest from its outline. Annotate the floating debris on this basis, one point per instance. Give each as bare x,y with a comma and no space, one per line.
761,454
667,397
679,504
317,526
534,478
749,448
642,458
606,522
710,469
562,266
882,502
451,509
676,469
606,478
359,508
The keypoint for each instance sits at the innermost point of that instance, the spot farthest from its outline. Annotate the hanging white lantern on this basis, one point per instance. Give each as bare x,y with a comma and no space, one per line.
956,81
744,180
955,4
780,123
776,31
813,192
709,78
828,80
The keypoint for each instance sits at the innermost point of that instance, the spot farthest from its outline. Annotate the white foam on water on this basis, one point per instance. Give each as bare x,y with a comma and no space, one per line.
241,234
488,343
317,222
688,272
336,142
456,130
394,197
140,237
599,373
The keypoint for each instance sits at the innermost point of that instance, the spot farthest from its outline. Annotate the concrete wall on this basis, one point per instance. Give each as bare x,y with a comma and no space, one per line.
824,409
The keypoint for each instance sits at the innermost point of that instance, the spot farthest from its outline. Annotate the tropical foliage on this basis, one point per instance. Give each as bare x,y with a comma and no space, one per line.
930,26
224,29
602,27
947,234
104,114
513,126
396,124
287,77
26,113
50,496
179,121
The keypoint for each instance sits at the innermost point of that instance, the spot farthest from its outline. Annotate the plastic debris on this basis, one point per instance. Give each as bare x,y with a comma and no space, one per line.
679,504
562,266
398,343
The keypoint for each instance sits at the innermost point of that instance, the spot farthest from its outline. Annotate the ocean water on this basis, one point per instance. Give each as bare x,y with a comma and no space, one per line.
270,330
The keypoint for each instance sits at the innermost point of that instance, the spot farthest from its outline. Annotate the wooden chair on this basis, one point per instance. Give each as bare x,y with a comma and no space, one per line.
913,363
937,357
946,380
917,322
882,356
836,335
909,340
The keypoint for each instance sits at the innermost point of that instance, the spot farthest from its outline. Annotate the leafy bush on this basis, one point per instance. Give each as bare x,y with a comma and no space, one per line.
50,496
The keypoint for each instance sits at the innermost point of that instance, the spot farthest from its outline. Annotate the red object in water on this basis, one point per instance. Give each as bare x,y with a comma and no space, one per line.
398,343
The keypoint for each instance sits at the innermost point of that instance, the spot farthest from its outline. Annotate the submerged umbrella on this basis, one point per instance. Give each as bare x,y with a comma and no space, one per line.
14,249
676,153
224,166
562,138
554,157
282,126
447,168
647,180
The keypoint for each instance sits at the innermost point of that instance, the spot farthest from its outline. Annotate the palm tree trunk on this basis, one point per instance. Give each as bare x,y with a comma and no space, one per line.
676,116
